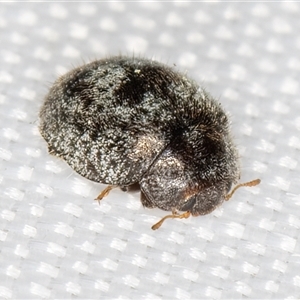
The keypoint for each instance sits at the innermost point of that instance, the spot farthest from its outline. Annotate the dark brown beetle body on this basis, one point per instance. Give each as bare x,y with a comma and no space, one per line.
122,121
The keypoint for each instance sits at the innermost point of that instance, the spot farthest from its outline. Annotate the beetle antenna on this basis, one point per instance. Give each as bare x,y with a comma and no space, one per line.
250,183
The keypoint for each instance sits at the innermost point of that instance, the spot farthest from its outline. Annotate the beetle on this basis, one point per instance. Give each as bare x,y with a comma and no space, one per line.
124,120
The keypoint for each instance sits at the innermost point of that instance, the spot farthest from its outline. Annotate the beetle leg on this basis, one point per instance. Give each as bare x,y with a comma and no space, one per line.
105,192
250,183
174,215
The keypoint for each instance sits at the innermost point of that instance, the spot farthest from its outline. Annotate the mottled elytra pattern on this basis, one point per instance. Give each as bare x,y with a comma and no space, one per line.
123,121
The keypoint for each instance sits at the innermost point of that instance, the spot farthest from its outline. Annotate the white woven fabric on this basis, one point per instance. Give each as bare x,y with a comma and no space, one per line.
56,242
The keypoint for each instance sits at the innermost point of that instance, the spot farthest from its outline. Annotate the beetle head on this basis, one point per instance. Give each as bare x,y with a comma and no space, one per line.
193,178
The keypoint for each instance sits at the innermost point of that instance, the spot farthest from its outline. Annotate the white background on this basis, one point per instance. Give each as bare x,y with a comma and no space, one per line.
56,242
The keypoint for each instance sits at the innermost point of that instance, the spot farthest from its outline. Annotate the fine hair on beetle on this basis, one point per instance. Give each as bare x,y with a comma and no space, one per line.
125,121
